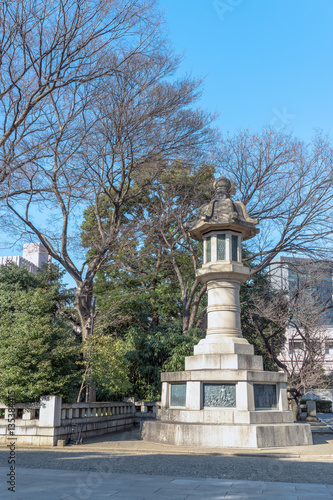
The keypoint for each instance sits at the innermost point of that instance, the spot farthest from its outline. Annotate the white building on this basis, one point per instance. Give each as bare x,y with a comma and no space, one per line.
34,256
289,273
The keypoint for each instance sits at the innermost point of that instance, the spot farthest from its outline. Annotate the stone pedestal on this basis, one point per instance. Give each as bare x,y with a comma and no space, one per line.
225,399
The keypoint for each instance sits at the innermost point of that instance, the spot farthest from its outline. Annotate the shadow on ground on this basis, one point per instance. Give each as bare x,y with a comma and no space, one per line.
223,467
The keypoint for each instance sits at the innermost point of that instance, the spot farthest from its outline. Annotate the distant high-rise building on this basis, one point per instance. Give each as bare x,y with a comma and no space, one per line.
34,256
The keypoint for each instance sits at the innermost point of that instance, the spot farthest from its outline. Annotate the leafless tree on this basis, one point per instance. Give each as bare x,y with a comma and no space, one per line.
103,153
287,185
48,47
283,182
301,313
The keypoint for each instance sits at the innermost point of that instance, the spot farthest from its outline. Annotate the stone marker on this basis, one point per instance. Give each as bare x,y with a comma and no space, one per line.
223,398
311,408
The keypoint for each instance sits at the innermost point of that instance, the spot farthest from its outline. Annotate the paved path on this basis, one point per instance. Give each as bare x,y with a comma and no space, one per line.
103,468
36,484
327,418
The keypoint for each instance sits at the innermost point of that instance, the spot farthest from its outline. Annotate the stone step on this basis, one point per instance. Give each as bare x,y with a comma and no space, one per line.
232,436
318,426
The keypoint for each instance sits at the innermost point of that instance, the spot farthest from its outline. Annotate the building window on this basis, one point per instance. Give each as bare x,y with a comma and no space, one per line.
329,347
234,244
295,345
208,249
221,247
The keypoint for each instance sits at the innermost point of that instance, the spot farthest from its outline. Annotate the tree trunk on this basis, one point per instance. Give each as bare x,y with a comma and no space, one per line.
196,300
191,303
84,294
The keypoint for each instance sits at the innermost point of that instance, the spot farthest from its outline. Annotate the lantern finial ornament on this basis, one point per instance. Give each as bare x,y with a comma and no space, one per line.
223,213
223,187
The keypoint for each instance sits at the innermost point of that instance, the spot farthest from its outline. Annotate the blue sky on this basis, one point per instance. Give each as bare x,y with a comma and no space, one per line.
264,62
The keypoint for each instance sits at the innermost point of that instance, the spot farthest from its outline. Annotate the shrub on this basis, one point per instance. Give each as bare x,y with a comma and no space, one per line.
323,406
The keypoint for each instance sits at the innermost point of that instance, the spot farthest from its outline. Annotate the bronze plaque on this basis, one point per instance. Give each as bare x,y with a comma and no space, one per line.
219,395
265,396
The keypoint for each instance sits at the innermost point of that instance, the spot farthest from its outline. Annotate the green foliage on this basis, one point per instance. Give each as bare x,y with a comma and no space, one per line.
138,284
109,366
141,304
328,381
38,348
138,293
182,345
150,354
322,405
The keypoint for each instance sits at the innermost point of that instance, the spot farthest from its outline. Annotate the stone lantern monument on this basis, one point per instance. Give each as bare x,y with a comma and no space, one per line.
223,398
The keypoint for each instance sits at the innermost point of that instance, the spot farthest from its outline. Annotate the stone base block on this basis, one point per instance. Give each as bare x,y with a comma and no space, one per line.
227,436
207,375
223,362
221,344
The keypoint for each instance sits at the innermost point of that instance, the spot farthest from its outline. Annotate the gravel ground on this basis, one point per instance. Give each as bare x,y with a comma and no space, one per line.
245,468
212,466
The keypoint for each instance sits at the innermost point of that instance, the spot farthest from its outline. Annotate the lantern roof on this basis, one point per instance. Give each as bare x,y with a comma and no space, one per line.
223,213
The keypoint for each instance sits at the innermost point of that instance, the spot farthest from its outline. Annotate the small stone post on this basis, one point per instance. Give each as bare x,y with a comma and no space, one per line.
50,411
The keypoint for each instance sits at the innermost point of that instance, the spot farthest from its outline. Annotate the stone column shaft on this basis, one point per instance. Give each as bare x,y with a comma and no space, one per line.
223,311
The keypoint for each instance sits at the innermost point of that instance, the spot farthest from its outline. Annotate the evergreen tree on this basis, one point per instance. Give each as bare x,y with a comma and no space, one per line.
39,350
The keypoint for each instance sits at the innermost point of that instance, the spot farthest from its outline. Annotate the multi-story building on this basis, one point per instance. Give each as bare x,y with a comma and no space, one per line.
314,279
33,258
